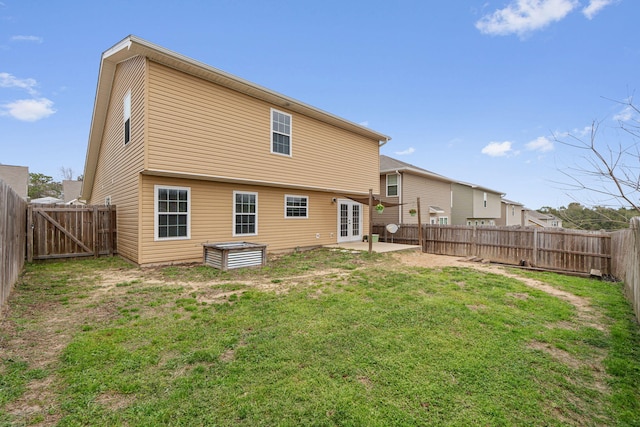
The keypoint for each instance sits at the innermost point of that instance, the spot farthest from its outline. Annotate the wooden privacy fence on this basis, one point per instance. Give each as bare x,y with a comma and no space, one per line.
70,231
12,238
625,262
553,249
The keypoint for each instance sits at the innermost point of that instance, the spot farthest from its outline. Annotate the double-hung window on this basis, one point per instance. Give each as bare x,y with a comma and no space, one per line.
392,185
280,132
245,213
296,206
127,117
172,212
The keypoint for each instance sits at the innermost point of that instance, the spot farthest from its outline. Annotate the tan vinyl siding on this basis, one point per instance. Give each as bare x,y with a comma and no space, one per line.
198,127
431,192
510,215
462,204
492,210
119,166
390,215
212,220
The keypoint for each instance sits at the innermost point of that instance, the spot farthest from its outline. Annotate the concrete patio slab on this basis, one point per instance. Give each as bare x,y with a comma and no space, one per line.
377,246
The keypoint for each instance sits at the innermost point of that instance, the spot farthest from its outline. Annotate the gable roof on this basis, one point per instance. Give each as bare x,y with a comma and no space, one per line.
133,46
391,165
511,202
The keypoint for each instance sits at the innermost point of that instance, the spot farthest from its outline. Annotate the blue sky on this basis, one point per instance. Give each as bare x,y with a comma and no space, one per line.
473,90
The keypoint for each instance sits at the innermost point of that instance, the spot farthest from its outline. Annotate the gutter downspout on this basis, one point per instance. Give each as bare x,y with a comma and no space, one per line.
381,143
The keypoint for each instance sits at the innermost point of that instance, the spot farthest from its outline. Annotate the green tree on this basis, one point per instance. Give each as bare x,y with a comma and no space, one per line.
41,185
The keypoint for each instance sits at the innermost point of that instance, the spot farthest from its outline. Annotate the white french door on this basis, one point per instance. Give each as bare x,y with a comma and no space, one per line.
349,221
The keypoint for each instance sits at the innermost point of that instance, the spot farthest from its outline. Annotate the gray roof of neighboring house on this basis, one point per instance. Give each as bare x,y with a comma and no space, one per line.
540,215
511,202
389,164
47,201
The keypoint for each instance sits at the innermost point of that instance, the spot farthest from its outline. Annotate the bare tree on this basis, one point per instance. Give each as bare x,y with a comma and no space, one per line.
67,173
609,171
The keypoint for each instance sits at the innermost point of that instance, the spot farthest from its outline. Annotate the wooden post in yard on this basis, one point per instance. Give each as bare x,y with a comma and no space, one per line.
370,238
419,226
95,232
30,226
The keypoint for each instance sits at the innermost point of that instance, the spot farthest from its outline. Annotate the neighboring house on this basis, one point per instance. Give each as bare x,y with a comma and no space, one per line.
71,190
533,218
49,200
190,155
403,183
511,213
474,205
17,177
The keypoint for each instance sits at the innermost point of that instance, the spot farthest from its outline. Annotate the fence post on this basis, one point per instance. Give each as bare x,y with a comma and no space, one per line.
535,247
95,232
29,230
420,233
474,247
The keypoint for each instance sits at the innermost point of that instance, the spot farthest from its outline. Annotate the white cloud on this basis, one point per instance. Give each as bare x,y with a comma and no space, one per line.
542,144
365,124
406,152
35,39
28,110
497,149
524,16
595,6
625,115
7,80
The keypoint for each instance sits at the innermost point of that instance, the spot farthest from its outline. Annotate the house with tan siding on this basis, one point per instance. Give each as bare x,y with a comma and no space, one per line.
17,178
403,183
190,155
532,218
473,204
511,213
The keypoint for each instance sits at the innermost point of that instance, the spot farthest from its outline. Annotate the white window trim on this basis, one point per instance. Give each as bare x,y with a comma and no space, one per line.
234,214
397,184
443,218
156,213
126,116
290,133
296,217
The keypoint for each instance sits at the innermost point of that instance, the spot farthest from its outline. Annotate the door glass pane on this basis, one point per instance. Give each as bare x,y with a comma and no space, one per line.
355,225
344,220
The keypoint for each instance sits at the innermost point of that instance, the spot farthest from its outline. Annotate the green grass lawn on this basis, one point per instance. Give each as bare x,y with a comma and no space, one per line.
316,338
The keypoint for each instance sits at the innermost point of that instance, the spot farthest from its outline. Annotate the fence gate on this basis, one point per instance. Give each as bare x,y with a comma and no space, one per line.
70,231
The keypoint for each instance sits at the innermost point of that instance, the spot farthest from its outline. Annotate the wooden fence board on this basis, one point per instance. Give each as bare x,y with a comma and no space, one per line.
13,231
625,247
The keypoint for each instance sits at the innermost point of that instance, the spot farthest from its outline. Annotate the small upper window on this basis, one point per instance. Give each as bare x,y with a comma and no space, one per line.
296,207
280,132
392,185
127,118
